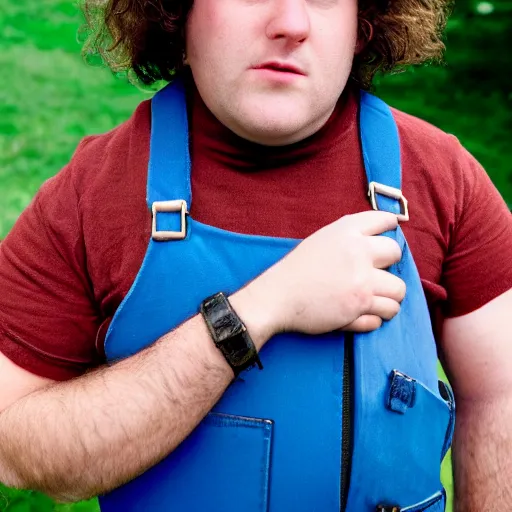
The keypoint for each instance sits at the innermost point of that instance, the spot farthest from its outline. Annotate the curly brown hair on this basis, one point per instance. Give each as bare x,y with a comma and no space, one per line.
145,38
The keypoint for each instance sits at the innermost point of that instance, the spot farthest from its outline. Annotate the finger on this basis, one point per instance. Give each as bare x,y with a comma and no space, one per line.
384,308
373,222
384,250
365,323
388,285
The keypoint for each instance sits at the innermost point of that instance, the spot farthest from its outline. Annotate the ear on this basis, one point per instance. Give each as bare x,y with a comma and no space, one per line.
364,34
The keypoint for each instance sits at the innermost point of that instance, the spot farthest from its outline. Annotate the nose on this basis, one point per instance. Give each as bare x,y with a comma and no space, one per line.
289,21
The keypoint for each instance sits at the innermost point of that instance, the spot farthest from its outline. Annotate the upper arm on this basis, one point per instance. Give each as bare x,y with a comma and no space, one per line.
15,382
477,350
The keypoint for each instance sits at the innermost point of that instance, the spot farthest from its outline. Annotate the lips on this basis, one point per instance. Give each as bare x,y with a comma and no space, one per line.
283,67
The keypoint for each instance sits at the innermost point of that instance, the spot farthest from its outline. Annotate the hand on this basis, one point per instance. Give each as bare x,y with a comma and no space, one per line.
334,279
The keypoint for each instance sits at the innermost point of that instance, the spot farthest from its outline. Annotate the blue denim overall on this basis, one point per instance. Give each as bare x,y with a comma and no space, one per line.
333,422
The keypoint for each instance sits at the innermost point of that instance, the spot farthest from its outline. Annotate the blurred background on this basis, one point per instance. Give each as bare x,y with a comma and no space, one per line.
49,99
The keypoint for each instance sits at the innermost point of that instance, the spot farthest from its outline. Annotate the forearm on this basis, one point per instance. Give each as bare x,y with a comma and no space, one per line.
482,455
77,439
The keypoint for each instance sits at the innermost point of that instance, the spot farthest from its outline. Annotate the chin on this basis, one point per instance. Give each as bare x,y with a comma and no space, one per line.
273,134
274,129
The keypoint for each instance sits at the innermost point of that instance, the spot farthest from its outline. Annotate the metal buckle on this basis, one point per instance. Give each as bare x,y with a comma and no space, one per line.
393,193
178,205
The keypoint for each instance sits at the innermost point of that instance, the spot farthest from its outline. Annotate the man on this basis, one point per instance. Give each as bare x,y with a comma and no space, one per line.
273,124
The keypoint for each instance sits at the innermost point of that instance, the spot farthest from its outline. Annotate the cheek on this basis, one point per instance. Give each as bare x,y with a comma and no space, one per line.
205,28
341,47
335,33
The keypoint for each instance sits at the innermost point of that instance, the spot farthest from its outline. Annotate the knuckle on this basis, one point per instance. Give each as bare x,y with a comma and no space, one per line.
363,296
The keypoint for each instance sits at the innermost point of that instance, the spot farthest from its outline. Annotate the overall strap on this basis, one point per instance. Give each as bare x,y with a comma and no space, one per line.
168,183
381,155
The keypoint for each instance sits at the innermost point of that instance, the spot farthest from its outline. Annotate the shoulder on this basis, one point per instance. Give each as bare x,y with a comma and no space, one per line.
121,150
105,172
423,141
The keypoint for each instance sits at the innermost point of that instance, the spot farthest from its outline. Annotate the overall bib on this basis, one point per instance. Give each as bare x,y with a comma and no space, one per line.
347,422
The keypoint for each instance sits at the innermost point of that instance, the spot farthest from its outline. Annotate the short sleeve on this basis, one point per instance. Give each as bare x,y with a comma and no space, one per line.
48,319
478,266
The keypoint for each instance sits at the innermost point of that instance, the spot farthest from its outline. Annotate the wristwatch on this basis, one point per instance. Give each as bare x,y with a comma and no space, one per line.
229,333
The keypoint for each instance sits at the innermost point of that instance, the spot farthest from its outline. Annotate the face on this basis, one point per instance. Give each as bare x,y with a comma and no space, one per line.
271,70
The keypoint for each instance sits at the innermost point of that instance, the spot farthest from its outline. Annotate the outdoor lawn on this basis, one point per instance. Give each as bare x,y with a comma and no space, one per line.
49,99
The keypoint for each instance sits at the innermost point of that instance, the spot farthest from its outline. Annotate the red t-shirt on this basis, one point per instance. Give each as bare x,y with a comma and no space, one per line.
75,251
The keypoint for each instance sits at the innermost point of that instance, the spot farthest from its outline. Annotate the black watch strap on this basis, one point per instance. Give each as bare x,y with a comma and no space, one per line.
229,333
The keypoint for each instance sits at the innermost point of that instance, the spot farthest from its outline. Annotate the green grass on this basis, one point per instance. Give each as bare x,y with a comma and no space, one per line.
49,99
15,501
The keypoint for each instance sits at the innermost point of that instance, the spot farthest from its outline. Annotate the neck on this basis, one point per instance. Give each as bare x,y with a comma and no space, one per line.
230,149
